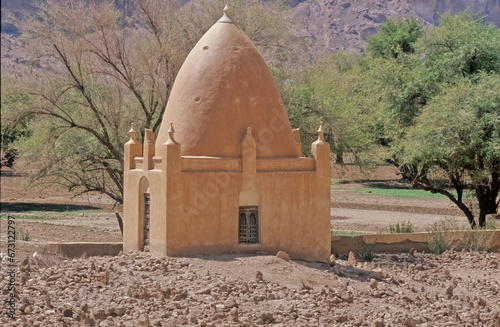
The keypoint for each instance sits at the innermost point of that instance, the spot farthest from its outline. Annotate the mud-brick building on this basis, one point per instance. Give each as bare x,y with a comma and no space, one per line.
231,177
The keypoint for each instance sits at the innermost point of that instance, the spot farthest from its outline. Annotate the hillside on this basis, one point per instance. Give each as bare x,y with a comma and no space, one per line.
345,24
337,24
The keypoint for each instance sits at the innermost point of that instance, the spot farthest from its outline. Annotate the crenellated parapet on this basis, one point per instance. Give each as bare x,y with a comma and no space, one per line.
148,150
321,152
171,153
248,163
132,150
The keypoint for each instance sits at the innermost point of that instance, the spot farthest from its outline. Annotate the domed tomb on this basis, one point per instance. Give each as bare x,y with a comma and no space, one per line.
198,193
224,87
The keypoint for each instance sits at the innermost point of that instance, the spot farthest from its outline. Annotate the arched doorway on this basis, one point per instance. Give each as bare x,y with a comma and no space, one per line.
144,212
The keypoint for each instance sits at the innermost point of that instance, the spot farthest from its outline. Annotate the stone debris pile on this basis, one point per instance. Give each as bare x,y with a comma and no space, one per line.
143,289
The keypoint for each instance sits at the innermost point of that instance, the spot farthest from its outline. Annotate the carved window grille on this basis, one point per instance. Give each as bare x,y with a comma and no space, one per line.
248,225
147,216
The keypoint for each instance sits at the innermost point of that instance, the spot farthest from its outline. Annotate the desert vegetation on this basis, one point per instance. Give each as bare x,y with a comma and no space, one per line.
425,100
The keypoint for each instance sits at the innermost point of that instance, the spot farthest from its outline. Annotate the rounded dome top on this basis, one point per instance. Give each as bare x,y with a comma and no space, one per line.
223,87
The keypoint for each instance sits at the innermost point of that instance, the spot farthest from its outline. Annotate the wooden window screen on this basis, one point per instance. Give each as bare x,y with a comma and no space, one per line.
248,225
146,218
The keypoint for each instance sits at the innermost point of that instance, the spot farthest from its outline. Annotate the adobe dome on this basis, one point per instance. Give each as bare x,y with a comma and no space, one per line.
223,87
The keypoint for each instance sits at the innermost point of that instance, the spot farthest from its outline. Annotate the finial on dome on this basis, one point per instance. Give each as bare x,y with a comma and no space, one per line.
321,133
225,18
132,132
171,132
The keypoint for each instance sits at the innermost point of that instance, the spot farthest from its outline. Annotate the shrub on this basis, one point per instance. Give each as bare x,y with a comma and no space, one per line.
23,235
366,253
480,239
448,234
401,227
441,238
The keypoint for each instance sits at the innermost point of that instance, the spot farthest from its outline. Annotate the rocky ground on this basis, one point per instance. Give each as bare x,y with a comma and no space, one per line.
143,289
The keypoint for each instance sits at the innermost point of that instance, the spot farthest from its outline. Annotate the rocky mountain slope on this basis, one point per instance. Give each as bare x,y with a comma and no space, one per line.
430,9
345,24
331,24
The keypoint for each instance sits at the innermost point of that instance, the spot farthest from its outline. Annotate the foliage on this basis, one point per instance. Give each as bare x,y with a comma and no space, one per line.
461,47
461,131
425,100
460,125
448,234
394,38
441,238
366,253
478,240
23,235
12,130
96,69
348,113
401,227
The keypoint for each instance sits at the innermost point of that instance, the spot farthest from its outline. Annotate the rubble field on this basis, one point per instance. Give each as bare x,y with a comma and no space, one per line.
145,289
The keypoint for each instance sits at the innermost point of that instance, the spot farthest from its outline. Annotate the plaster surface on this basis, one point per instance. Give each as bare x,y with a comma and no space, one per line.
223,87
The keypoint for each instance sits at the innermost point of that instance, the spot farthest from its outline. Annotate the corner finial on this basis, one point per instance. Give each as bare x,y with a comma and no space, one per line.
321,133
227,10
225,18
171,132
132,133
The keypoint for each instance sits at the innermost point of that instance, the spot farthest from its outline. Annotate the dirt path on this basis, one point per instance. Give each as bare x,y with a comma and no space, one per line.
369,221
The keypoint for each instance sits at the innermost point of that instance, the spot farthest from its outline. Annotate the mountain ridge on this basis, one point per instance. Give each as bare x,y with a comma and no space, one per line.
332,25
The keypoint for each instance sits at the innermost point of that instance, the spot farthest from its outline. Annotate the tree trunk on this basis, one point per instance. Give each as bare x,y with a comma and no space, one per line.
120,221
339,157
495,190
487,197
467,212
457,201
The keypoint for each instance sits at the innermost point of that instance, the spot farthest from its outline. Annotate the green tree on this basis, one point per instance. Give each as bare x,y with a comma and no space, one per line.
460,47
425,100
395,37
11,130
455,141
338,93
442,109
